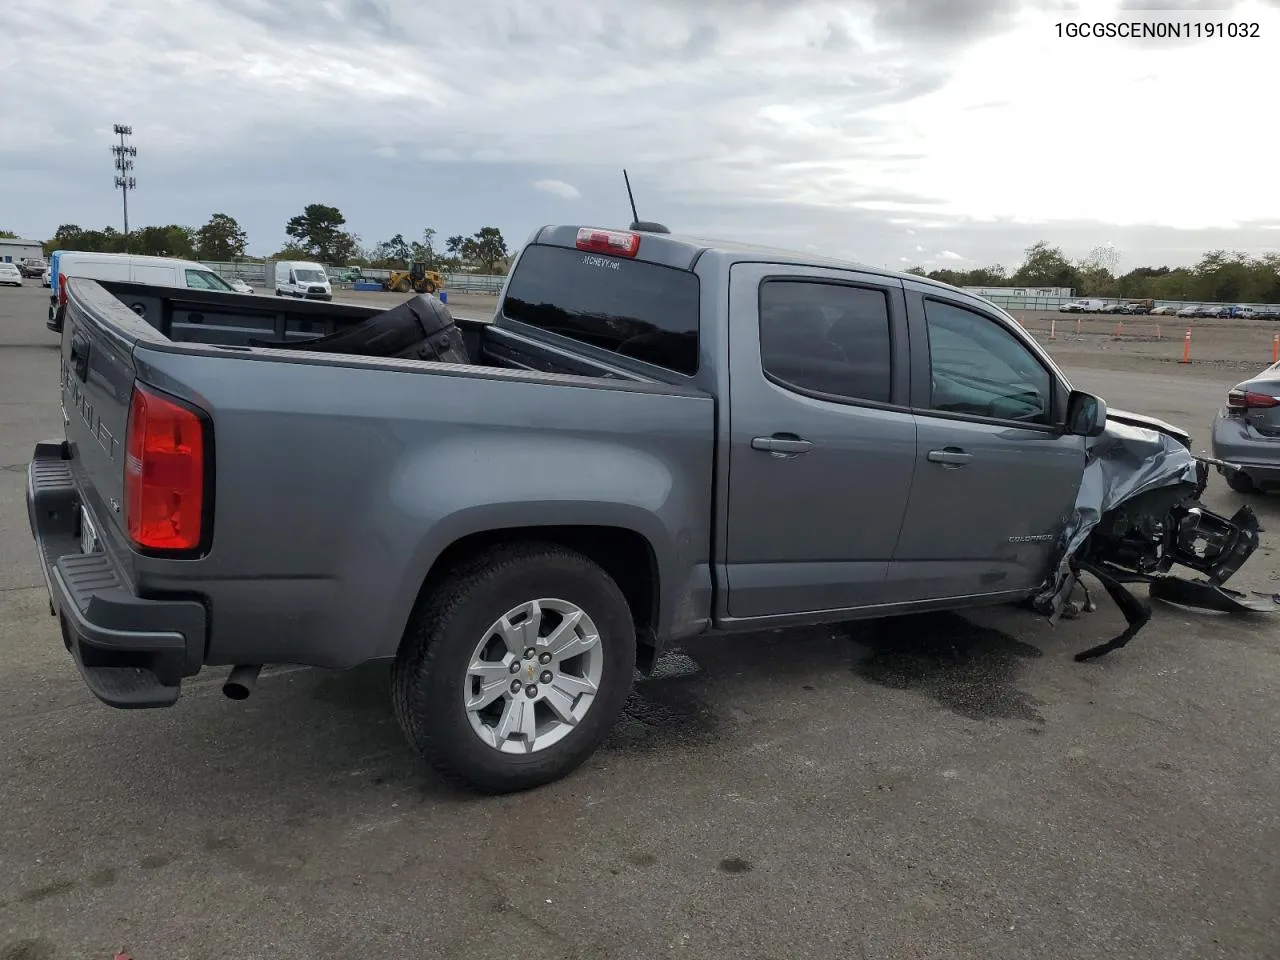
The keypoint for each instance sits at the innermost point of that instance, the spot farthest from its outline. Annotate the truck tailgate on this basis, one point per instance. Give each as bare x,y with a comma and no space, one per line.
132,651
95,381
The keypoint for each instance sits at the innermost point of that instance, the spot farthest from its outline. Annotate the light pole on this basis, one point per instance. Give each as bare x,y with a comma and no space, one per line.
124,155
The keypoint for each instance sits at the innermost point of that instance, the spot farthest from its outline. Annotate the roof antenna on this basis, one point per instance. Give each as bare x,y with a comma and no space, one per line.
643,226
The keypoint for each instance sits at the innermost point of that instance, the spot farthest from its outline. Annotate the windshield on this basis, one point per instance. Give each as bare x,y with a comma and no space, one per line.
309,276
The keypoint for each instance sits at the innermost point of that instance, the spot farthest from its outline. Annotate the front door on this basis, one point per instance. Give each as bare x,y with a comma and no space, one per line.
996,478
821,441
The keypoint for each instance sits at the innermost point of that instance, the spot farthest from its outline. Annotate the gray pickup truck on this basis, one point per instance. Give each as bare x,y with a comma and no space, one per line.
654,438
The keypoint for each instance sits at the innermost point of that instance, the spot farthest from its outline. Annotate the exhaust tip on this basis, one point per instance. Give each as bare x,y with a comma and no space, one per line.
240,681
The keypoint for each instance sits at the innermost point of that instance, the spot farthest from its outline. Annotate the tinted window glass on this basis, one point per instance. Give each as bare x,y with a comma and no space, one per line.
205,280
980,368
628,307
825,337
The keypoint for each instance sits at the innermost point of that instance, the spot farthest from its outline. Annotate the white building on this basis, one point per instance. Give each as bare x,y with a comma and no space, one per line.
11,251
1065,293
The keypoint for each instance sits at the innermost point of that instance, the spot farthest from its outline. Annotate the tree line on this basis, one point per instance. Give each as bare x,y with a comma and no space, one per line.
1218,276
318,233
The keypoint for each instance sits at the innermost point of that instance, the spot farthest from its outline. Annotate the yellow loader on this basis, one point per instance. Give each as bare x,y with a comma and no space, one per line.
417,278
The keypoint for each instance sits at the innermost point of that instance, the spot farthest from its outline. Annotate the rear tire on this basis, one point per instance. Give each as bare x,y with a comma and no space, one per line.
1240,482
434,672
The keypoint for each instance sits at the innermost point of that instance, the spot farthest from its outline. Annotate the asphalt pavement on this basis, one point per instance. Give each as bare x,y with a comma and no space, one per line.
931,787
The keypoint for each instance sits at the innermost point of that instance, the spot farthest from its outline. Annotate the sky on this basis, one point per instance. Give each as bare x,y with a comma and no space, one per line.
938,133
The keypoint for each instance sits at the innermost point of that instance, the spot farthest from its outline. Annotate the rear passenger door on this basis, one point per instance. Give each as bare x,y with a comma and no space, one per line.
996,477
822,440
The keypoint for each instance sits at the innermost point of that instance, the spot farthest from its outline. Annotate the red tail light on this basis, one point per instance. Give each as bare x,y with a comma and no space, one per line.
1247,400
164,476
619,243
62,289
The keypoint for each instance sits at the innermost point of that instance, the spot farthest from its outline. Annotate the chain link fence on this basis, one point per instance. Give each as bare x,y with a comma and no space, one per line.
254,273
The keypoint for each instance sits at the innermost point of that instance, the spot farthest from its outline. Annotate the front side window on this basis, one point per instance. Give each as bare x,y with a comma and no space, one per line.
309,276
826,338
981,369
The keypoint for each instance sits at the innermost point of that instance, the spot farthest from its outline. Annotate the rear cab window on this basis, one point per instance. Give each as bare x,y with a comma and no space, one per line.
630,308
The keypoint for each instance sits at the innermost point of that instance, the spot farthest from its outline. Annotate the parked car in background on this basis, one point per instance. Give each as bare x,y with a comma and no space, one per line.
1243,313
1164,311
300,278
31,267
1246,433
1266,313
1189,312
1075,306
1114,308
161,271
10,275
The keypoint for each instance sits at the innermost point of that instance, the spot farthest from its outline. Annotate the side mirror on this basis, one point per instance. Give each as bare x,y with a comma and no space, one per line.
1086,414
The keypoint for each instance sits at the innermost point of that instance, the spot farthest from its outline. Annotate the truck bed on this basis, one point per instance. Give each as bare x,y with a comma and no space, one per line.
334,481
238,320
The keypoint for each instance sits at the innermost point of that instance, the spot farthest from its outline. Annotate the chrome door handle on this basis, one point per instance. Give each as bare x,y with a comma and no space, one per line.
781,443
950,456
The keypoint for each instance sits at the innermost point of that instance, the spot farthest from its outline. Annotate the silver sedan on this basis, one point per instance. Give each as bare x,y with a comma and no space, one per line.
1246,433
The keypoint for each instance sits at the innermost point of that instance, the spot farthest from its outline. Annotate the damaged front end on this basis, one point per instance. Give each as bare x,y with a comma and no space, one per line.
1138,515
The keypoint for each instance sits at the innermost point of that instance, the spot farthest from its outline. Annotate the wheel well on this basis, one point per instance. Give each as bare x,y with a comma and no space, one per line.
623,554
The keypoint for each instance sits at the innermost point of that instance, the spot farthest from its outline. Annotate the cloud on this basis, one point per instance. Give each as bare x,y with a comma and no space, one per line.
949,255
845,122
558,188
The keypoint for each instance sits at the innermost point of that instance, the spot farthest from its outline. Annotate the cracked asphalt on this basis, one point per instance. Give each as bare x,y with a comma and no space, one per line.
930,787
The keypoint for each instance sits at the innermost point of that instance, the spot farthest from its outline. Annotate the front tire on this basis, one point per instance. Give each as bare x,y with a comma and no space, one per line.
536,617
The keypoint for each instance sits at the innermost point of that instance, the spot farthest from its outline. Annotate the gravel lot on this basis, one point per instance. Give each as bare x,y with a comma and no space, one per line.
934,787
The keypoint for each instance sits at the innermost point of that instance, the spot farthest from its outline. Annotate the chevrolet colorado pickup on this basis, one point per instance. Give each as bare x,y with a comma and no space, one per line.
655,437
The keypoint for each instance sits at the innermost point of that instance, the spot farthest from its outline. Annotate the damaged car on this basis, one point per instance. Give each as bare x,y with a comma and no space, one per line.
654,437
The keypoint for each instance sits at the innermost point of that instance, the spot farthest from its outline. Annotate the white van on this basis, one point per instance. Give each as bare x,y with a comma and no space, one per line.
300,278
158,271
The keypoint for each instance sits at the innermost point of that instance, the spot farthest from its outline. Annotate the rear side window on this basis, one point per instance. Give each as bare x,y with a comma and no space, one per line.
826,338
628,307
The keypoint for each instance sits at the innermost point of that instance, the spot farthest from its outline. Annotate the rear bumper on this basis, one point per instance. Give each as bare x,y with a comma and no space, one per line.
132,652
1256,456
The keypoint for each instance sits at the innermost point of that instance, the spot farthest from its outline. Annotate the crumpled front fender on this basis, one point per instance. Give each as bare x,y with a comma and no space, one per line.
1136,516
